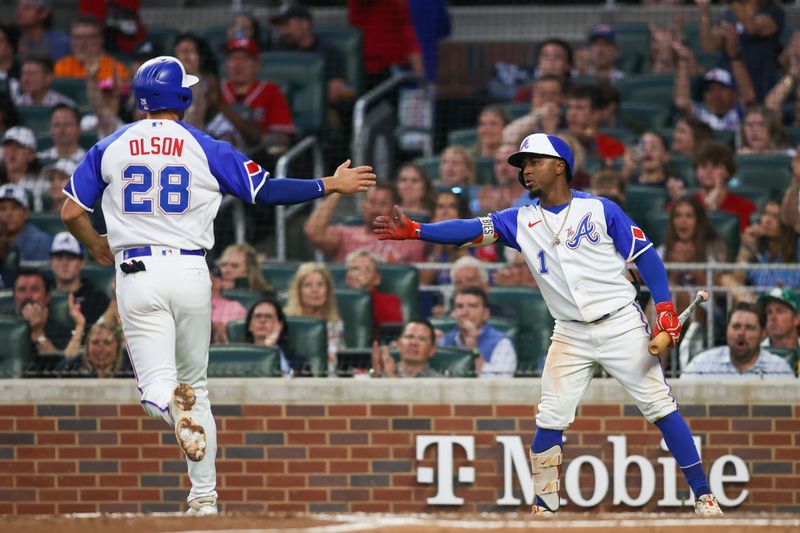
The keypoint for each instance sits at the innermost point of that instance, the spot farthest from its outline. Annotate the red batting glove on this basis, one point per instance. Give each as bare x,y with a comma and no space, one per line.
667,320
397,227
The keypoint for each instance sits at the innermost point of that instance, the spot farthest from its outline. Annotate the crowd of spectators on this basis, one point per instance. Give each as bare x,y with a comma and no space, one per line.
733,105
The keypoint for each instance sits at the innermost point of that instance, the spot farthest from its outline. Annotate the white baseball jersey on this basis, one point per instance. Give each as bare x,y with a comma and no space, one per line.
583,277
162,183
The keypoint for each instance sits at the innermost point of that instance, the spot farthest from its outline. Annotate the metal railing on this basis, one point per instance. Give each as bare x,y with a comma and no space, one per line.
283,212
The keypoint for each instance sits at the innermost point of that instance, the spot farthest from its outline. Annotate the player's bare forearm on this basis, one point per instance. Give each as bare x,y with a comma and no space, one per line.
316,227
77,222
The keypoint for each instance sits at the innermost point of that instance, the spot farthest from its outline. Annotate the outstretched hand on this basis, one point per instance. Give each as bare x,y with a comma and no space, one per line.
348,180
396,227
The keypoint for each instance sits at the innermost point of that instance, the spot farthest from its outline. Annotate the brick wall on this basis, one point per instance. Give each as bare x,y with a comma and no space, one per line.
295,455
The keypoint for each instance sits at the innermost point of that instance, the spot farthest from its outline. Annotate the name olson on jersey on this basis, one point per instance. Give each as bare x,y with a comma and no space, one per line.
157,146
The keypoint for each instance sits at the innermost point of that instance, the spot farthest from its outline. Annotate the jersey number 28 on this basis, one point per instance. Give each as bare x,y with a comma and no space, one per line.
173,189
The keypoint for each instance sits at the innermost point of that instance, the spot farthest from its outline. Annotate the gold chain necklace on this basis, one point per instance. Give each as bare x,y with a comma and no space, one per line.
556,240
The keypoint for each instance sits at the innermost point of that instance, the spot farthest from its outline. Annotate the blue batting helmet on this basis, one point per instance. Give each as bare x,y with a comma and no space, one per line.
162,83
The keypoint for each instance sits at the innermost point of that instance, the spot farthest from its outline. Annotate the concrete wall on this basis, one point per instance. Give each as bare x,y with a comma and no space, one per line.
350,445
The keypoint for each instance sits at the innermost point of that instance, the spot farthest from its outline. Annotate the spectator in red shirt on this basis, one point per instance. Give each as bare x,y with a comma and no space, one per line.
362,273
389,37
714,165
584,107
257,109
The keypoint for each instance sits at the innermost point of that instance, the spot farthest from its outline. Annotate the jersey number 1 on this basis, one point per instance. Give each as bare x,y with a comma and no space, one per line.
173,189
542,266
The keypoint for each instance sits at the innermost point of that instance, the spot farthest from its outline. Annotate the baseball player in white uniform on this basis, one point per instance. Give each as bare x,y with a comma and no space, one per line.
161,183
577,247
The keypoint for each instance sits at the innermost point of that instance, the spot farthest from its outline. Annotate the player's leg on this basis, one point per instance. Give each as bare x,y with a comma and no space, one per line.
191,304
150,340
625,357
568,370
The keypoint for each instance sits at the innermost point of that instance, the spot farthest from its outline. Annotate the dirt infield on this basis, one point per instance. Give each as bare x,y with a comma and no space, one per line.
262,523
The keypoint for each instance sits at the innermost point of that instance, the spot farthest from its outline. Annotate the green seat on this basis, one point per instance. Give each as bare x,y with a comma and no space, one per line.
484,170
756,195
625,135
7,302
647,88
515,111
453,362
429,165
707,60
308,338
643,199
246,297
347,39
644,116
787,354
100,276
450,361
682,166
793,134
466,137
303,75
16,342
535,324
217,39
772,172
163,36
58,309
398,279
279,275
509,327
36,118
725,224
73,88
44,141
235,330
47,222
355,308
243,360
726,137
87,139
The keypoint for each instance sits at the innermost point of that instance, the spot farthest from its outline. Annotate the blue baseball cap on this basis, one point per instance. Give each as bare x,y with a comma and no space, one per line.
543,144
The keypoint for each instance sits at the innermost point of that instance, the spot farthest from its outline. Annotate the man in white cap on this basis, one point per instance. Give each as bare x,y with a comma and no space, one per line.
67,262
57,175
578,247
19,160
33,244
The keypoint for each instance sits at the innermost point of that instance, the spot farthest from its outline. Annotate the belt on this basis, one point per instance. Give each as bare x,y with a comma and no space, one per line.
144,251
604,317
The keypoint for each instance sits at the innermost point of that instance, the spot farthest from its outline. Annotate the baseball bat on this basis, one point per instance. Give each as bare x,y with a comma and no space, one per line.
663,340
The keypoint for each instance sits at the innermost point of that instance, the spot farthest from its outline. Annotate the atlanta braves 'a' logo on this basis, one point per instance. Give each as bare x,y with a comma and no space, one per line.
585,229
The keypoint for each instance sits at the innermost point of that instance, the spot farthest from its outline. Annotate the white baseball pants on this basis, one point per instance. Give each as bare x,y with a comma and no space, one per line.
617,344
166,317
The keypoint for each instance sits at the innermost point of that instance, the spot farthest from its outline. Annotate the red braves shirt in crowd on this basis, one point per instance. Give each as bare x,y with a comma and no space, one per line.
386,309
263,102
737,205
378,21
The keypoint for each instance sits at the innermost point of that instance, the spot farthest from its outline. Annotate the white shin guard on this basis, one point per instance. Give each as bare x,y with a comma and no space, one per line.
546,468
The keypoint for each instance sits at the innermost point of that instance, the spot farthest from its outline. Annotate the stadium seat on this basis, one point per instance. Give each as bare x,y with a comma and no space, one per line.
347,39
644,116
772,172
429,165
793,133
36,118
73,88
217,39
246,297
647,88
308,338
16,341
303,75
398,279
623,134
163,36
681,165
355,308
279,275
788,354
535,324
449,361
509,327
725,224
243,360
757,195
100,276
44,141
352,360
484,170
6,301
88,139
726,137
515,111
466,137
59,309
643,199
47,222
235,330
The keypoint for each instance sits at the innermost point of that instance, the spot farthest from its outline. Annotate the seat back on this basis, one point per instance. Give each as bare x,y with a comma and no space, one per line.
58,310
640,200
725,224
246,297
355,308
453,362
303,76
47,222
243,360
535,323
36,118
100,276
464,137
509,327
402,281
787,354
771,172
16,342
347,39
235,330
74,89
308,338
640,116
279,275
